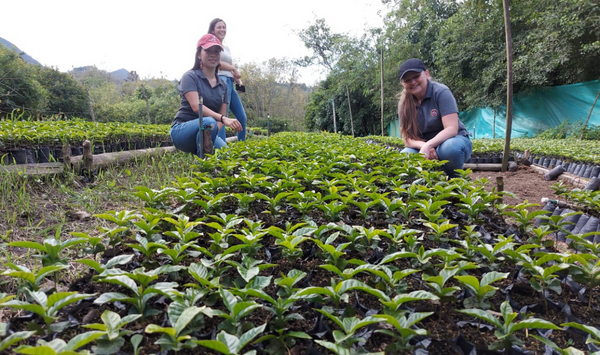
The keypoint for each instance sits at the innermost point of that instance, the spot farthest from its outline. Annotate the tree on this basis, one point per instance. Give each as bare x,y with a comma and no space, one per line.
65,95
19,87
272,89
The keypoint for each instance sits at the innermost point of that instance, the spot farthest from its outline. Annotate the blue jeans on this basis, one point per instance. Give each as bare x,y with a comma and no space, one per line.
235,104
456,150
186,135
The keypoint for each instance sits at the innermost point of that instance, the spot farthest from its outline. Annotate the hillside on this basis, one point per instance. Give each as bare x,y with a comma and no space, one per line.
14,48
118,75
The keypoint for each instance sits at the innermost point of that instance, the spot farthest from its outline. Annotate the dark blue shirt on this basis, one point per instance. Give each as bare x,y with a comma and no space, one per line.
195,80
437,103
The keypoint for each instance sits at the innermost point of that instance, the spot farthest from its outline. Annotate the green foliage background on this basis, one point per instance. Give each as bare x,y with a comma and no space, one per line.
463,45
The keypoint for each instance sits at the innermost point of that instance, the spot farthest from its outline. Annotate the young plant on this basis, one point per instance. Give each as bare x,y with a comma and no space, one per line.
481,290
228,344
211,204
33,279
100,268
95,243
523,217
338,292
287,282
552,345
177,336
507,327
237,310
275,203
403,329
111,335
51,250
178,253
437,283
251,237
146,247
332,210
47,307
282,341
585,269
184,229
432,210
59,346
140,295
594,333
438,230
278,307
544,278
333,255
249,270
366,207
349,326
291,238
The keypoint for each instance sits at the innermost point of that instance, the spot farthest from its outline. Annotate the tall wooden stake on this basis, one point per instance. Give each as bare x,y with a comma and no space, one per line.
509,86
350,110
334,125
588,117
381,79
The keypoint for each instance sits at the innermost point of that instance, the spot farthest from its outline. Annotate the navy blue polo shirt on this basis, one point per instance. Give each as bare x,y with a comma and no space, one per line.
437,103
213,97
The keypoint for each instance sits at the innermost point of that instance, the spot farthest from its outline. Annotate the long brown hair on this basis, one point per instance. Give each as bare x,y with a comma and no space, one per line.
213,24
409,116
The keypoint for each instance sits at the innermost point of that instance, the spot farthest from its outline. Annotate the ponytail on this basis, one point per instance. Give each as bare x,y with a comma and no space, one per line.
409,116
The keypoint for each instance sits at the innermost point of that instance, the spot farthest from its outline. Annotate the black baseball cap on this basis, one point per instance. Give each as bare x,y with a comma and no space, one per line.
412,64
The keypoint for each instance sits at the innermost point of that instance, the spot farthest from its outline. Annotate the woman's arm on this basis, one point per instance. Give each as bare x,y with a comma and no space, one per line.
192,98
450,123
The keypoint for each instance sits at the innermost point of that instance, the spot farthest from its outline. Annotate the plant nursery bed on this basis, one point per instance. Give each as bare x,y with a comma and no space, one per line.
312,244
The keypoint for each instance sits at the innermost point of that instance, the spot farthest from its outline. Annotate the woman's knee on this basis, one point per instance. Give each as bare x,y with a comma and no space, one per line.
455,148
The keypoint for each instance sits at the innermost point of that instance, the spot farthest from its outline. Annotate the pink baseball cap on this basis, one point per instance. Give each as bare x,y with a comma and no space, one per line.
209,40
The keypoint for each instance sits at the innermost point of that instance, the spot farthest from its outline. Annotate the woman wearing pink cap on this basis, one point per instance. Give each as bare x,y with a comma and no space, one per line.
429,121
202,80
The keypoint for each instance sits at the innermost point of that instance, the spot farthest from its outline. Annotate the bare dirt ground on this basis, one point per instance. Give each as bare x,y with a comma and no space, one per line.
525,183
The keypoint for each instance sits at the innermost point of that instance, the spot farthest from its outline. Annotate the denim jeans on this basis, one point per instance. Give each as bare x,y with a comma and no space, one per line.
456,150
186,135
235,104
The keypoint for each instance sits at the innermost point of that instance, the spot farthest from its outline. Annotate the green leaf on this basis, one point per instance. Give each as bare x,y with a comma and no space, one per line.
249,335
214,345
153,328
14,338
534,323
83,339
483,315
186,317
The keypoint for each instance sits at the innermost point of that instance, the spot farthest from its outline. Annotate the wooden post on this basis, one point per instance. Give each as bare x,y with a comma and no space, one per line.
588,117
88,158
334,124
500,187
509,85
381,79
350,110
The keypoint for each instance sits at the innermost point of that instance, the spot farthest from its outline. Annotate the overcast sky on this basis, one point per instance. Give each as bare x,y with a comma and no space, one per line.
158,38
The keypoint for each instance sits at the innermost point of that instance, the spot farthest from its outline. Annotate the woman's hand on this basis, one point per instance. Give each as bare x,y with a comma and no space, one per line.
428,151
236,73
232,123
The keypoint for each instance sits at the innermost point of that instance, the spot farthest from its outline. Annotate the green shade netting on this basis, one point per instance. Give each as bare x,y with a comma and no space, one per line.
533,112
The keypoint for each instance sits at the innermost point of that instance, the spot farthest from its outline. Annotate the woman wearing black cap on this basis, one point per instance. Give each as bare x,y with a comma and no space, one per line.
429,121
203,80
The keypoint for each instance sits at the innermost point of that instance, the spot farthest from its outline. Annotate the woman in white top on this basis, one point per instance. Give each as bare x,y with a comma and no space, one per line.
229,73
